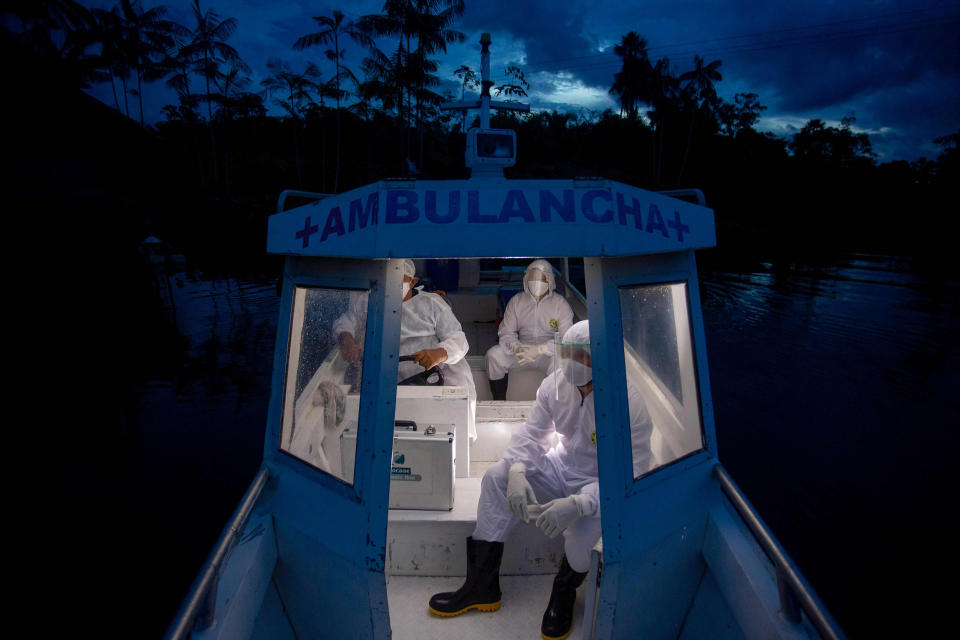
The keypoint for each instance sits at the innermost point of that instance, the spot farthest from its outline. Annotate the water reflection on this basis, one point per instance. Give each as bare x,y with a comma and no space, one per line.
835,397
199,414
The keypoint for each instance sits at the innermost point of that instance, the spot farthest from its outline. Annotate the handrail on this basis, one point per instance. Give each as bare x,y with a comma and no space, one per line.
197,597
567,285
787,572
696,193
299,194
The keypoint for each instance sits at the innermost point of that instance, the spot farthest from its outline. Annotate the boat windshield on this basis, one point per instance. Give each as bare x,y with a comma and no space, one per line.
661,376
324,366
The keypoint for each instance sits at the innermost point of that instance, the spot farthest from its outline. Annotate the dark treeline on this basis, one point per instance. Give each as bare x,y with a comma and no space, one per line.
215,165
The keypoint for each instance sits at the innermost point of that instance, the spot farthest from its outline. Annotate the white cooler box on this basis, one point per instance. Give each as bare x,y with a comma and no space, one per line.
421,476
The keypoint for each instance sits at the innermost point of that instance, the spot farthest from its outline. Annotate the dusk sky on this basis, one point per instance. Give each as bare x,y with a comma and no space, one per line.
894,65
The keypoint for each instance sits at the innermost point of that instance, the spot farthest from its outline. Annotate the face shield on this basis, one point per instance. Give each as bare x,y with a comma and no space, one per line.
571,360
535,283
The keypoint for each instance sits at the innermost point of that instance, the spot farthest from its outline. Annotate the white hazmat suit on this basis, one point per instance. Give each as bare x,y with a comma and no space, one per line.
427,322
557,472
528,322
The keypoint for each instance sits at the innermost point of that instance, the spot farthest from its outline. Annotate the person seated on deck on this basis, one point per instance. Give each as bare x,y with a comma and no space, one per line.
531,320
563,479
429,331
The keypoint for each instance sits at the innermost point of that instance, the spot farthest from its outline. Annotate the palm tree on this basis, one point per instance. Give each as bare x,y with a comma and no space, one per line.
208,48
333,29
468,77
698,84
146,38
633,83
381,81
392,22
430,23
663,94
294,93
230,85
180,67
519,89
113,61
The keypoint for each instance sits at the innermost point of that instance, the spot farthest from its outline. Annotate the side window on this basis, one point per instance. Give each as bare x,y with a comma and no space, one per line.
661,375
324,367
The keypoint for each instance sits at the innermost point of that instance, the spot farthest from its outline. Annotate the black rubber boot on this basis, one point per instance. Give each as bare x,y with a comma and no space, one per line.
558,618
481,590
499,388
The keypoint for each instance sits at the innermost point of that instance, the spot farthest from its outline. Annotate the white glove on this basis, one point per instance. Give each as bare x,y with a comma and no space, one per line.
559,514
519,492
524,356
529,352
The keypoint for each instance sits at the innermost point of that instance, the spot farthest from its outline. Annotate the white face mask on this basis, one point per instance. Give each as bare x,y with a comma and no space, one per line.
537,287
406,290
576,373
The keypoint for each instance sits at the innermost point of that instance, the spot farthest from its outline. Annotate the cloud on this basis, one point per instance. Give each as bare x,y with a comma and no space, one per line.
565,88
896,65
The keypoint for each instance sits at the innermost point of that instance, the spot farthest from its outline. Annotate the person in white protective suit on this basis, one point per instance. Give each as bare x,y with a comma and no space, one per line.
428,331
531,320
562,479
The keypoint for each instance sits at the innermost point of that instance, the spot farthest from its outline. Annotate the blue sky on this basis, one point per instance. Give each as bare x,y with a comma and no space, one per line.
894,65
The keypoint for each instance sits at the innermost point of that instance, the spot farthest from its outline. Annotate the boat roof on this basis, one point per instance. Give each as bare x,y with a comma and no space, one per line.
492,217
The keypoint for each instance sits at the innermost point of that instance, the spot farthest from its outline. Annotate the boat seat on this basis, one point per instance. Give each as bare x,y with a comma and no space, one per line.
522,384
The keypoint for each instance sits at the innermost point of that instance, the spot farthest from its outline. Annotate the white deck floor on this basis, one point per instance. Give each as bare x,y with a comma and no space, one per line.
525,597
524,601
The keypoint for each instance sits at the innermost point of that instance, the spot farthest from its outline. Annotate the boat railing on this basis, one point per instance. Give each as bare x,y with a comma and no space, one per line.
296,193
197,609
696,195
795,593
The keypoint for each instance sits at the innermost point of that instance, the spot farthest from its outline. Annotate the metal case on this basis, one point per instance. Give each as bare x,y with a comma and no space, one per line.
422,469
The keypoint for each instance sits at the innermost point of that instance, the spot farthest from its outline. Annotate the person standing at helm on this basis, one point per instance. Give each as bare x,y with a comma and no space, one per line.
428,331
563,479
531,320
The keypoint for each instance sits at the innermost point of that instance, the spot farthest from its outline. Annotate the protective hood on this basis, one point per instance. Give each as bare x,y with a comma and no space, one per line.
409,269
579,333
572,359
540,266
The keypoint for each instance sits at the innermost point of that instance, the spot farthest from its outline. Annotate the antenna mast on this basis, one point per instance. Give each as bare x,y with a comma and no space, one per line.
488,150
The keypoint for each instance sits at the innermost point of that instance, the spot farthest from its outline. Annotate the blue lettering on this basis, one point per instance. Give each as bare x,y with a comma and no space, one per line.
401,207
565,209
655,221
515,205
586,205
308,230
678,224
334,224
623,211
361,216
430,207
473,209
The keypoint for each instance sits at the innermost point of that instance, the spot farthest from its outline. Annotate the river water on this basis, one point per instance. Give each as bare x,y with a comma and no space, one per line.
835,384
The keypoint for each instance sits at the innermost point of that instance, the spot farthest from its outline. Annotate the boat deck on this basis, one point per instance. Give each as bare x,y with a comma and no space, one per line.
426,549
524,601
